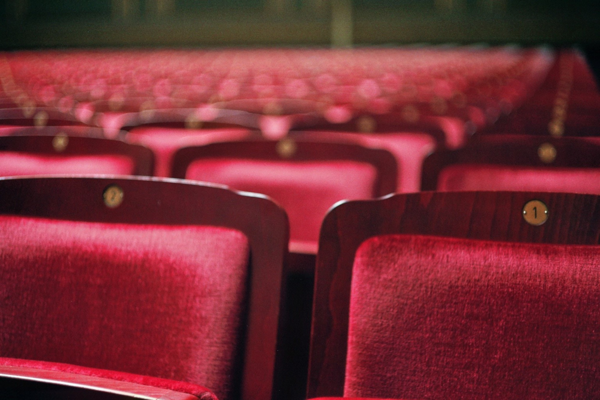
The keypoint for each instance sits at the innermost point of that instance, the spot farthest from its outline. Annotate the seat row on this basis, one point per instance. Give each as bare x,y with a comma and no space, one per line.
175,289
308,173
448,92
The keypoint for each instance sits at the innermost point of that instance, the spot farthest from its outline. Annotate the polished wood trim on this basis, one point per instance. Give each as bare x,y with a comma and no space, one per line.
70,130
81,384
22,116
573,219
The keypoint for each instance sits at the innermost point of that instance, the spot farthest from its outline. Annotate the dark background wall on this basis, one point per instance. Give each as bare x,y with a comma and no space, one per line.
101,23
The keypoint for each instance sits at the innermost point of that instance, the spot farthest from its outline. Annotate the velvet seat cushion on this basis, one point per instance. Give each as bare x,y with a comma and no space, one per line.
491,177
444,318
306,190
20,164
161,301
409,149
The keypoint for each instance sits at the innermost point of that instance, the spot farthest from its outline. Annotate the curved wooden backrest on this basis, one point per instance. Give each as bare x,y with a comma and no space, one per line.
302,150
36,116
498,216
62,146
148,201
69,130
514,151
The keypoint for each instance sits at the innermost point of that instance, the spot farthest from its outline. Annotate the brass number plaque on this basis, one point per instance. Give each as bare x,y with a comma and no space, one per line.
193,122
286,148
60,142
547,153
366,124
535,213
40,119
113,196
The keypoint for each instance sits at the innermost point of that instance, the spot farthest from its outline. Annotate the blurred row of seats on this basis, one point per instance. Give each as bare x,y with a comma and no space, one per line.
120,288
449,92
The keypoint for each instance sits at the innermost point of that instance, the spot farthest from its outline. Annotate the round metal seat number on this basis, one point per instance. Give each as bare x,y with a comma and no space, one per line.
535,212
113,196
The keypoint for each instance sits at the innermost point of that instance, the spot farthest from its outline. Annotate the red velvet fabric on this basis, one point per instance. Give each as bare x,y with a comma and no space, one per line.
444,318
183,387
491,177
165,141
162,301
409,149
20,164
306,190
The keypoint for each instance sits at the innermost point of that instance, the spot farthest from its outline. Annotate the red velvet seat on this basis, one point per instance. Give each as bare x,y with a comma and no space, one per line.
305,177
454,295
523,163
180,281
62,154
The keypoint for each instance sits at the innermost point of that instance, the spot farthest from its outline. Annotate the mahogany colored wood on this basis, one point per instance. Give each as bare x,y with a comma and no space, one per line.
69,130
23,117
573,219
513,150
41,384
142,157
173,202
266,150
181,118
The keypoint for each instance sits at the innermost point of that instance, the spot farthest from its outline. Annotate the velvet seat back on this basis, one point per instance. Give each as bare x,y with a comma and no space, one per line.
465,177
436,318
155,300
20,164
306,190
165,141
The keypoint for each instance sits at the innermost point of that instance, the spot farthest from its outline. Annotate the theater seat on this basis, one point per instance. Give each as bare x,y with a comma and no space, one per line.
455,295
305,177
62,154
153,278
512,162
